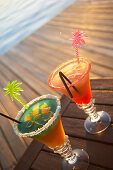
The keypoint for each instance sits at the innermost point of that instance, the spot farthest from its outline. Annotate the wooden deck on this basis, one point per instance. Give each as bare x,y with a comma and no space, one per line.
32,60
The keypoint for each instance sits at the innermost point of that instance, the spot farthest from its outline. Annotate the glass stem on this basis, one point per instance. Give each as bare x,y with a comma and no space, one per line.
66,151
90,109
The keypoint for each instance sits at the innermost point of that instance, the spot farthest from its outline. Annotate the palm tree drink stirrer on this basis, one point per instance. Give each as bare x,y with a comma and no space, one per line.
77,40
13,90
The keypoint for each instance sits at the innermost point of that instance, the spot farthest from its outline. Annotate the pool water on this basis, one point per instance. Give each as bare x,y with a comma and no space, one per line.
19,18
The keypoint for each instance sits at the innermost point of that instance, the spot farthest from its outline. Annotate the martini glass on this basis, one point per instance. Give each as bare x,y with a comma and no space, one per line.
42,122
78,84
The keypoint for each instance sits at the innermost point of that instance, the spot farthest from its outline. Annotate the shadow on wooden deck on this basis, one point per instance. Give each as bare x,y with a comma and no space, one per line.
34,58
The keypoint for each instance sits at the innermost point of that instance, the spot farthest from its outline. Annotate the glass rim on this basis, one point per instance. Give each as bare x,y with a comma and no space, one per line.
65,64
45,126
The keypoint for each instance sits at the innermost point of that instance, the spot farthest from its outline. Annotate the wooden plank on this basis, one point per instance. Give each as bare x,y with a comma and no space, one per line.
61,36
103,97
7,158
12,108
74,112
29,156
82,26
36,84
44,159
50,43
16,146
56,58
75,127
84,12
98,69
93,167
68,50
39,54
96,160
48,161
90,32
38,69
5,76
64,104
81,18
102,84
8,75
9,110
89,8
84,52
52,57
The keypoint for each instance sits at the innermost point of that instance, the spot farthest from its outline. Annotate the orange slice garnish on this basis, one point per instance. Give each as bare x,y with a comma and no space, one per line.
35,110
43,106
46,110
27,117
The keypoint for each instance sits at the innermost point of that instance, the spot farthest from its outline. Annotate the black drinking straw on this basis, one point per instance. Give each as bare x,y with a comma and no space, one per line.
10,118
62,76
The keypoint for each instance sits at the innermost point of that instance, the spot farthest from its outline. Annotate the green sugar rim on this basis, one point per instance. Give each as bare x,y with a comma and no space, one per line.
46,126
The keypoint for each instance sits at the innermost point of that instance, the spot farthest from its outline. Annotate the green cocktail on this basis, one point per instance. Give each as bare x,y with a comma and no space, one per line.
42,121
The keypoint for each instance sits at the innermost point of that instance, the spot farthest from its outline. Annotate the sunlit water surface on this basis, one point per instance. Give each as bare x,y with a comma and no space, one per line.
19,18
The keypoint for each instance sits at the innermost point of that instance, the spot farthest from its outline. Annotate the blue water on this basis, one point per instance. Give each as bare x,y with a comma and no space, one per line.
19,18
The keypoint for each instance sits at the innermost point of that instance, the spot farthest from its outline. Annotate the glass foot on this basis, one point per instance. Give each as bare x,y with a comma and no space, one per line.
80,162
101,123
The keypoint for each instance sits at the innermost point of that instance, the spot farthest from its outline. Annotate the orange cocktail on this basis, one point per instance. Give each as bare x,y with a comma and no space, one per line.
72,79
42,121
55,136
78,74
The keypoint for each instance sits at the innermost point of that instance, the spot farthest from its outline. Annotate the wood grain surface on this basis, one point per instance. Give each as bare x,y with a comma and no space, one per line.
31,62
